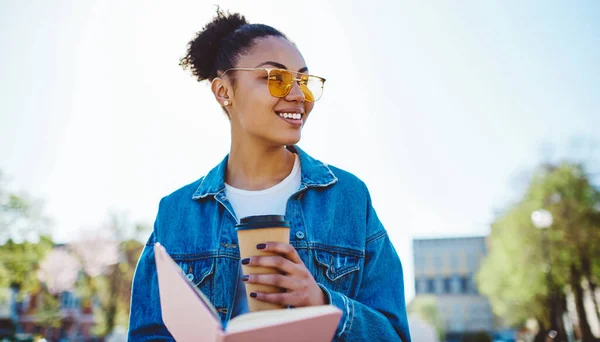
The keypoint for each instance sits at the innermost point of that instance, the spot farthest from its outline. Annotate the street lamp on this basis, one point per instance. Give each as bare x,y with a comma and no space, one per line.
542,220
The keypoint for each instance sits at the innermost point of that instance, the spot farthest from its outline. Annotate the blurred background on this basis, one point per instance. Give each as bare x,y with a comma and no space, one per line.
474,124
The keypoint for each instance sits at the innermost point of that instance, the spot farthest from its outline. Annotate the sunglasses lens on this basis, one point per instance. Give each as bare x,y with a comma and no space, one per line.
312,87
281,81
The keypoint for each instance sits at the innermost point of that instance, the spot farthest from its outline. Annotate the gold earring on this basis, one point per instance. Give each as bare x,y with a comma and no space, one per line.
226,103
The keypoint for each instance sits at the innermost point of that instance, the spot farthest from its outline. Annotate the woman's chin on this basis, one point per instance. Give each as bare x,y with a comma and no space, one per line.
286,139
291,140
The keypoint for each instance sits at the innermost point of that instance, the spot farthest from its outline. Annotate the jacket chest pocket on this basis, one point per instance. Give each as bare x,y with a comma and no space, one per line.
199,271
338,271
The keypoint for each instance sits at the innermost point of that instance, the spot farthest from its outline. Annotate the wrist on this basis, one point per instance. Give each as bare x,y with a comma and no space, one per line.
324,296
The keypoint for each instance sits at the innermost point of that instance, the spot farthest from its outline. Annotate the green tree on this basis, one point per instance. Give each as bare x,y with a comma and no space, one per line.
113,289
21,216
513,275
23,238
109,264
48,315
567,192
20,261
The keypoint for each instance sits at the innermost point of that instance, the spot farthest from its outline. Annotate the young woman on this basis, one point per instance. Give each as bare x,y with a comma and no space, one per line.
339,252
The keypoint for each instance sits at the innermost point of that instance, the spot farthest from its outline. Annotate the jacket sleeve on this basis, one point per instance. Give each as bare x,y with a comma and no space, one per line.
145,319
378,313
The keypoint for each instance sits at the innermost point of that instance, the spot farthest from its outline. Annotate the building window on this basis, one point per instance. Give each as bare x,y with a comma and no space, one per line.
464,284
430,285
455,284
447,285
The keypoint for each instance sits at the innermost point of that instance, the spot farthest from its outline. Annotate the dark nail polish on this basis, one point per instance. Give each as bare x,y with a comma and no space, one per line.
245,278
246,261
253,295
261,246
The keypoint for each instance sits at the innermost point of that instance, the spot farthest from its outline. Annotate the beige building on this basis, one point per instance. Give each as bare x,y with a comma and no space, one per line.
446,268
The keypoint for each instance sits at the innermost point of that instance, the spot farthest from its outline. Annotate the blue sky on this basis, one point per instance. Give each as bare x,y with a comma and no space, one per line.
441,108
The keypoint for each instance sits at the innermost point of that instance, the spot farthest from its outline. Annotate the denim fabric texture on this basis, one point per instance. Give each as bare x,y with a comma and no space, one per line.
334,229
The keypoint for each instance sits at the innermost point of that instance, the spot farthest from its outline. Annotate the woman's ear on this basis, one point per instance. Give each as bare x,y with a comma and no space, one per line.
220,89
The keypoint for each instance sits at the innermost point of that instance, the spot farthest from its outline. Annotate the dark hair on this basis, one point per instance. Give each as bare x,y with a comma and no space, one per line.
221,42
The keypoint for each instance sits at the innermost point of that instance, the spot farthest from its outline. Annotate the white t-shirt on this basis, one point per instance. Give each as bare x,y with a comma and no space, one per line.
271,201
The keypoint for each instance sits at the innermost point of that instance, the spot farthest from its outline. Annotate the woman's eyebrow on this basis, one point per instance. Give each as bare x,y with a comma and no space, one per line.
280,66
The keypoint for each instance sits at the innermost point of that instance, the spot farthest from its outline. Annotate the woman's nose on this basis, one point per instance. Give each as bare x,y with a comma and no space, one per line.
296,93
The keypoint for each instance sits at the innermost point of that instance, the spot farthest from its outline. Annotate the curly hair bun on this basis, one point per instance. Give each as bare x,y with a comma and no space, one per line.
203,50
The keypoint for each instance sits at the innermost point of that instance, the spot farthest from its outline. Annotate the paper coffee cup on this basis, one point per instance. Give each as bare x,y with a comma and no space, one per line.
252,231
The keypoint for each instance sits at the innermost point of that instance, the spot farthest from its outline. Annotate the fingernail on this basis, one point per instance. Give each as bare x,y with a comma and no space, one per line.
261,246
253,295
245,278
246,261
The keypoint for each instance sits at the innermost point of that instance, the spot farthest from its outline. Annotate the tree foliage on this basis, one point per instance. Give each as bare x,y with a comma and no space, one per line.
21,216
48,314
113,289
20,261
23,243
513,273
109,263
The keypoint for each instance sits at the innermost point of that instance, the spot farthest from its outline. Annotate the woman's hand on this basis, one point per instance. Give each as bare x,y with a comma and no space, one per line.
301,288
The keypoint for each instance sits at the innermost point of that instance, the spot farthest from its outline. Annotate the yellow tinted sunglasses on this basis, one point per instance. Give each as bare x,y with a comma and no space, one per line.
280,82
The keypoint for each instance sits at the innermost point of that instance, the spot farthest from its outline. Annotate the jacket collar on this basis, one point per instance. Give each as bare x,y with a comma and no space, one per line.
313,174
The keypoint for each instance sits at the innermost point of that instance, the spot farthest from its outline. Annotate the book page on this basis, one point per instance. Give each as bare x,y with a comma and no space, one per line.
255,320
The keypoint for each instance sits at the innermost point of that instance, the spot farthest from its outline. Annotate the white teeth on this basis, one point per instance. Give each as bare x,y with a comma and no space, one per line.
295,116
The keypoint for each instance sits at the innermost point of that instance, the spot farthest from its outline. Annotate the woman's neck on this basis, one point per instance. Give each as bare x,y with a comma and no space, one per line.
252,167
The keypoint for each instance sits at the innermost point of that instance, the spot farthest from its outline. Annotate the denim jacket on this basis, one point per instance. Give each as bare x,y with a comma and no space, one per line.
334,229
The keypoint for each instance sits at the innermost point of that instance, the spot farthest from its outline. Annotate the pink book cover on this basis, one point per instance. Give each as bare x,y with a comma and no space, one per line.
189,316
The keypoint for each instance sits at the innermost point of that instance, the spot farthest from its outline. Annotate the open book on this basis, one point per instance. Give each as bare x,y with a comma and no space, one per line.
189,315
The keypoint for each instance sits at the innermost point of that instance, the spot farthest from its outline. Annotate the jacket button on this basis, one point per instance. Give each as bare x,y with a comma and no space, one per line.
300,235
190,276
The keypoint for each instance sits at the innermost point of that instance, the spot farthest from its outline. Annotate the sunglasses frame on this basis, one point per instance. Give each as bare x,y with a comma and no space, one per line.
294,73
